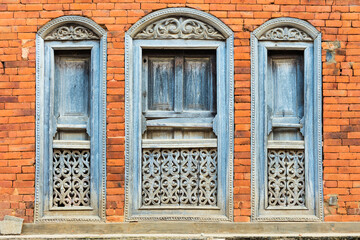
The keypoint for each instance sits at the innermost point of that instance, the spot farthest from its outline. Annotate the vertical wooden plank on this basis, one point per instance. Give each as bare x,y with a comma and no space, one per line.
310,119
213,88
197,83
50,124
72,80
287,84
300,86
262,100
144,83
161,84
179,78
135,115
284,75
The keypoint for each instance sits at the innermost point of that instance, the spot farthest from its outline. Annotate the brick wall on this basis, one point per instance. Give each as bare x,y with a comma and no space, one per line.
338,21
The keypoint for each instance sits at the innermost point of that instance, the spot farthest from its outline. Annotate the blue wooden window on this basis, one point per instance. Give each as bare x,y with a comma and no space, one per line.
286,120
178,142
70,166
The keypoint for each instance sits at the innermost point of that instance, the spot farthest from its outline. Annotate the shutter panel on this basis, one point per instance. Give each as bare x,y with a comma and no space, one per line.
161,84
198,83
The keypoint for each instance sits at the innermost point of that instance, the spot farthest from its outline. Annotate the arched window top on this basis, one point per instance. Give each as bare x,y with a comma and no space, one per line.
180,23
288,29
71,28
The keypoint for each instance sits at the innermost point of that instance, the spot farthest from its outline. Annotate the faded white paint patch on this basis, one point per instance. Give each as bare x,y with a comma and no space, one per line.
25,50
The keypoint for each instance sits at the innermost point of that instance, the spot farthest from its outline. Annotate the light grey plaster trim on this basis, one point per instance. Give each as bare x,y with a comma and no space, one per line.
319,209
39,118
129,128
210,218
254,98
103,94
318,114
230,171
189,12
287,219
286,21
178,228
128,118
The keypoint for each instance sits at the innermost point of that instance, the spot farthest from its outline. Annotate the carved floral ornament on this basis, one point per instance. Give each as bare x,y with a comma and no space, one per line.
179,28
286,34
71,32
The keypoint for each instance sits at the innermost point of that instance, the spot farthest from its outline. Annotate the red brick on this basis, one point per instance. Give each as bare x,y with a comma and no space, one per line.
350,16
318,8
292,8
336,20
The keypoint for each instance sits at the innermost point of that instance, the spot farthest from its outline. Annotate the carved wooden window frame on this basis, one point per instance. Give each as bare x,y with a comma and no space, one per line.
287,34
138,38
70,33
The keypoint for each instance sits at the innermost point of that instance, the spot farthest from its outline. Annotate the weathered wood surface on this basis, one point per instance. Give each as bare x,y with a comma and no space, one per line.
286,120
71,133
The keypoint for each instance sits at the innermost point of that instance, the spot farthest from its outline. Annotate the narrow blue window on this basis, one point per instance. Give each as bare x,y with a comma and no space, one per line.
70,132
286,120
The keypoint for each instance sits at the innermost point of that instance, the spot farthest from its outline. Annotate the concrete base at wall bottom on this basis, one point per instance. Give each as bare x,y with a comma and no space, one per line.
189,230
11,225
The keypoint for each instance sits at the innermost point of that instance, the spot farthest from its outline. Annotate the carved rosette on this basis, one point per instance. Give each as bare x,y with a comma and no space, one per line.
71,32
179,28
286,34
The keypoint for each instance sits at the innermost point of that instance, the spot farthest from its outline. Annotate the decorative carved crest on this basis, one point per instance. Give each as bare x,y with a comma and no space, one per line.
286,34
71,32
179,28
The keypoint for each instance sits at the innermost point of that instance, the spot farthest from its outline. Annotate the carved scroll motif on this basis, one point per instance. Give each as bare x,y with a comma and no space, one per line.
189,179
71,32
71,178
151,177
179,28
170,176
178,177
286,178
286,34
208,177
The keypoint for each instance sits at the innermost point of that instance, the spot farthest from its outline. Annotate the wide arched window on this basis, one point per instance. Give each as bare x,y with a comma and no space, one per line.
179,117
286,121
70,120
